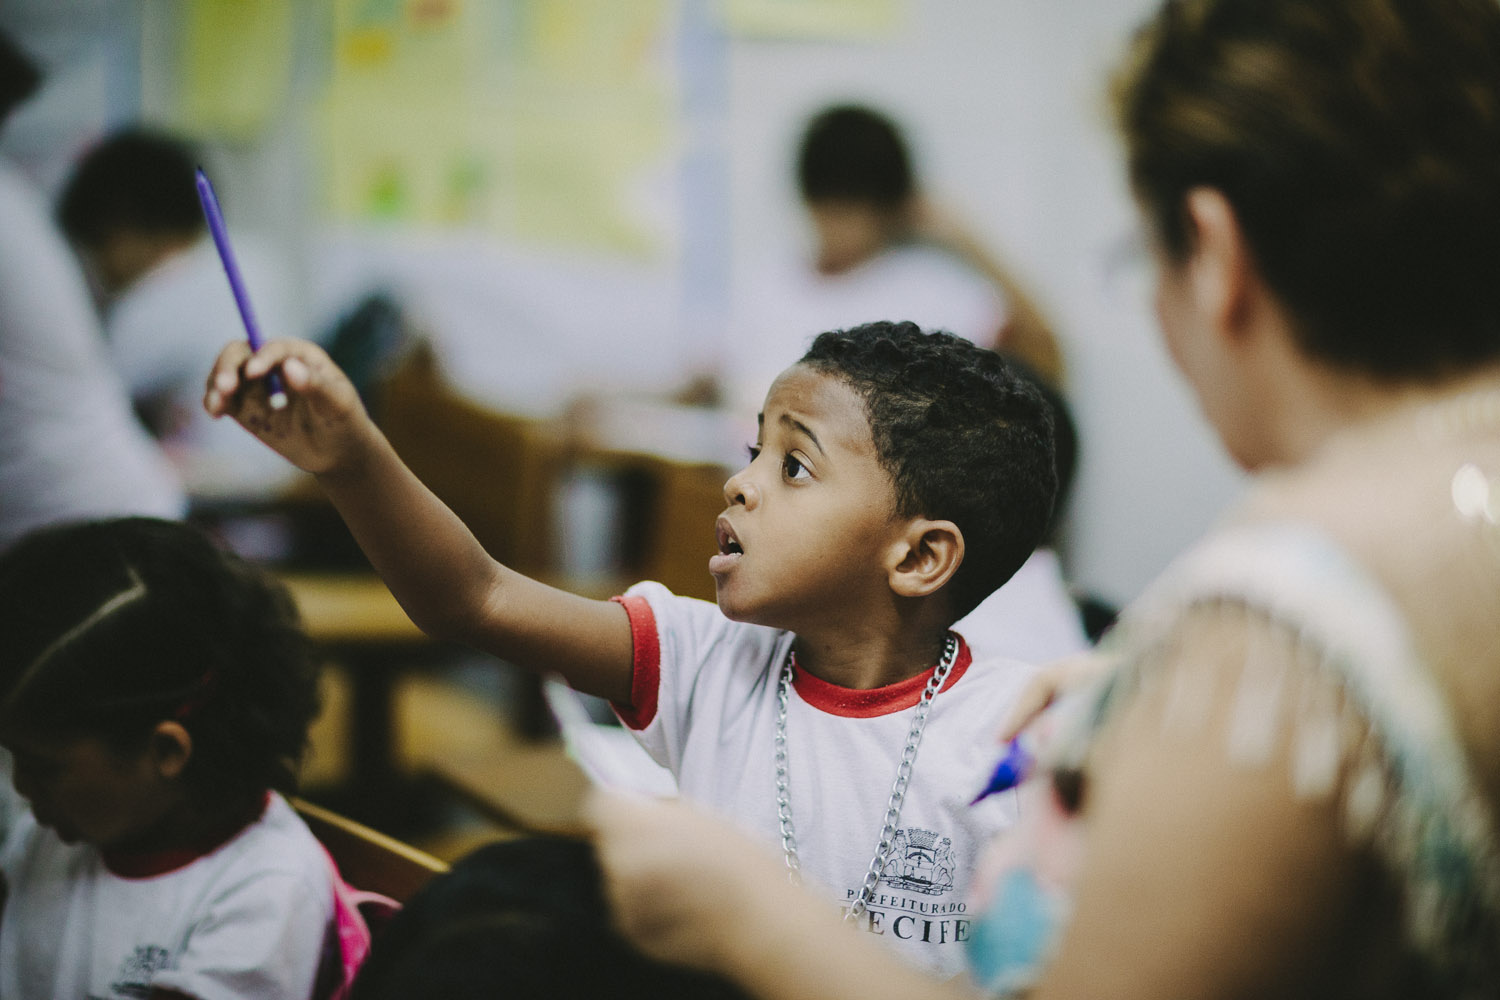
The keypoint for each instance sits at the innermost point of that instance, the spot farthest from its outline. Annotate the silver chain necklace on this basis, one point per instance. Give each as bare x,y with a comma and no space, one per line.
898,788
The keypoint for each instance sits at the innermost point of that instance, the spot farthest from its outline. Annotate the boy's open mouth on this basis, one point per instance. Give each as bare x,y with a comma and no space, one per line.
728,544
730,549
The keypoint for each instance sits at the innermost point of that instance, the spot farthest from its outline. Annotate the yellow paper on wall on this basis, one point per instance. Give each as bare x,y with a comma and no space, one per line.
534,119
234,66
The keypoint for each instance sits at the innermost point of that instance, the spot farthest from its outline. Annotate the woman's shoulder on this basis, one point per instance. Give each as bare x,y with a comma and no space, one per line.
1391,494
1416,518
1339,636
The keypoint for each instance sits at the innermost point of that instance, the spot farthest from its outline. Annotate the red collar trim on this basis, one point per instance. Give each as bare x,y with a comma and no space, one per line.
856,704
150,864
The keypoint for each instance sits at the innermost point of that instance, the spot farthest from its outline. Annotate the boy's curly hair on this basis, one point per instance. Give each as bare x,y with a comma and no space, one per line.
963,435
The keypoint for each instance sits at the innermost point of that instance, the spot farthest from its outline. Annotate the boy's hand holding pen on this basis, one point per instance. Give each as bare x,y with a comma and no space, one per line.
321,425
315,426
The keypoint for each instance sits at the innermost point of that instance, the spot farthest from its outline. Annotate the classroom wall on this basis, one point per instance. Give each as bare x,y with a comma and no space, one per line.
1003,98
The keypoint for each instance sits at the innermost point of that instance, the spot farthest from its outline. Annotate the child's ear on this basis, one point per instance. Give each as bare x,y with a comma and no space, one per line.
925,557
171,747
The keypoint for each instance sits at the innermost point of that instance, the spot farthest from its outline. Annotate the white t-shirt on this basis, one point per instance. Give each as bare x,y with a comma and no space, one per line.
164,333
247,920
70,447
704,706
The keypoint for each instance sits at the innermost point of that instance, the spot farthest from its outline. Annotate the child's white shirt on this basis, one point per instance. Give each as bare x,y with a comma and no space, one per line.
247,920
705,707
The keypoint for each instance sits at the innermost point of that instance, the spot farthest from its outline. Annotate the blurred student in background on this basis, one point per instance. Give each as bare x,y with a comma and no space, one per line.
131,210
882,251
69,444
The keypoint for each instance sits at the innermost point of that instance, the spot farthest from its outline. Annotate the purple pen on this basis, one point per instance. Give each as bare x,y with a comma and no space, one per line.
210,203
1013,769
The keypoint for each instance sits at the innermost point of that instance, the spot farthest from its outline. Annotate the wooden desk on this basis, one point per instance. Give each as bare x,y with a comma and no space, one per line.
669,463
339,608
353,620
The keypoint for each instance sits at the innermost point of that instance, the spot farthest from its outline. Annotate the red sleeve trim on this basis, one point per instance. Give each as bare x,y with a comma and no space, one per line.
645,667
866,704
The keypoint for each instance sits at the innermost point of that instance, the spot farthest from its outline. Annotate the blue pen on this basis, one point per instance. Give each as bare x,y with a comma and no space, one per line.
216,227
1010,772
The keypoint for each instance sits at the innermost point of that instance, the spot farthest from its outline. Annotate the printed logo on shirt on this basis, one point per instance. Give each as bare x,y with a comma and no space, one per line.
921,862
136,972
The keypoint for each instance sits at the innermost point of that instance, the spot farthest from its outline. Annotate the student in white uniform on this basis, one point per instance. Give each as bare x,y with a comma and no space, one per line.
899,477
155,695
881,251
69,445
131,210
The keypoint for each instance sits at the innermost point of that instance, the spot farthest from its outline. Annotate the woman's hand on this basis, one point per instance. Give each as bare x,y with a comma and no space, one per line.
686,888
680,883
1051,683
323,424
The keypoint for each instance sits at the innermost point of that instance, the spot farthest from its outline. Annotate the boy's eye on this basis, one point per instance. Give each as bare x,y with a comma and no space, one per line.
793,468
754,450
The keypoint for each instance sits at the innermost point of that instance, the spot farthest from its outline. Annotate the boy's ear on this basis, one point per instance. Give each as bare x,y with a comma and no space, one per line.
925,557
171,747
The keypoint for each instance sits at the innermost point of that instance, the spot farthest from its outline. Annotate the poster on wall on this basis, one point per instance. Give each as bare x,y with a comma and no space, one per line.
234,67
544,121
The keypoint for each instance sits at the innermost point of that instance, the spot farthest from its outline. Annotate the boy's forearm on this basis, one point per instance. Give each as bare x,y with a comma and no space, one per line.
428,558
438,571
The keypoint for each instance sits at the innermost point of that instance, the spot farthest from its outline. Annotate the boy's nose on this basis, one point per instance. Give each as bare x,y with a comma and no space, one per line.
739,489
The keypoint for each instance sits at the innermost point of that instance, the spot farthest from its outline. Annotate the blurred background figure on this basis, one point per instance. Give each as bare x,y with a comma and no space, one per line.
131,209
69,445
881,250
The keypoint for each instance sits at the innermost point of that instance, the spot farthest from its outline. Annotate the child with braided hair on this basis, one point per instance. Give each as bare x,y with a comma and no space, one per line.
155,696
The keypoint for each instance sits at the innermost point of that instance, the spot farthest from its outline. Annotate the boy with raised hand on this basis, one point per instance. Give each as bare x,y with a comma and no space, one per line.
898,478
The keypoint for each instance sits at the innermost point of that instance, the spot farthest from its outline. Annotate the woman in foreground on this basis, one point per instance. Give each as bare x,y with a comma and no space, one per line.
1288,784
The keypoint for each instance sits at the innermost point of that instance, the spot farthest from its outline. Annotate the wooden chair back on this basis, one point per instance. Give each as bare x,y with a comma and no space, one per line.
497,471
368,859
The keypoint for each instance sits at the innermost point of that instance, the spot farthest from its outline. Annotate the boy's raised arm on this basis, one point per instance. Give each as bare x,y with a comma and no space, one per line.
437,570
